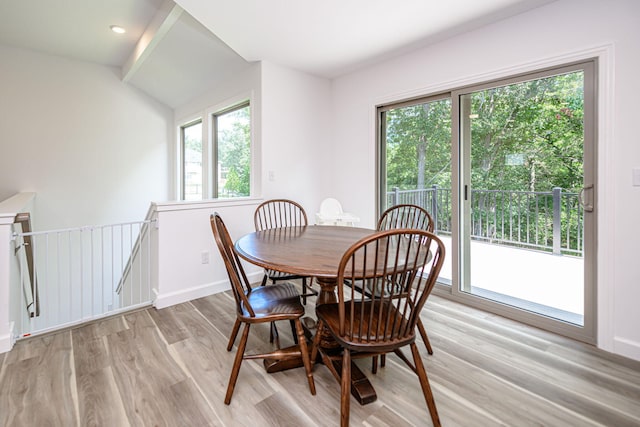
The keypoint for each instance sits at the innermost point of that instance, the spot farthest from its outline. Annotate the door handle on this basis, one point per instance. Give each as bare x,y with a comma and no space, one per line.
586,207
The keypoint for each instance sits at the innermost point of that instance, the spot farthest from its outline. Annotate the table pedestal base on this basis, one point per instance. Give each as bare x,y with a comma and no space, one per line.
361,388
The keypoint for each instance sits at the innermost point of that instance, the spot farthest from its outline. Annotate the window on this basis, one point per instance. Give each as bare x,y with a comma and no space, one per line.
191,143
232,142
215,154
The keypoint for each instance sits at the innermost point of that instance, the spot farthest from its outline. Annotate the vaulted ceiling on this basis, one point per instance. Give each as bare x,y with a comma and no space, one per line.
174,51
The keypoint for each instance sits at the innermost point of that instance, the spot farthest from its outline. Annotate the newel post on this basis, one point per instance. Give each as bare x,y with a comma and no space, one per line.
434,207
557,233
396,196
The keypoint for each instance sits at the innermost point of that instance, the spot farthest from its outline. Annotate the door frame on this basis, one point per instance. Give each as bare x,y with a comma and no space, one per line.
460,178
599,89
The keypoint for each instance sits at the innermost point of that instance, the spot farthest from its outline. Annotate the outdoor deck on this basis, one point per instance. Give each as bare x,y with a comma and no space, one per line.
535,280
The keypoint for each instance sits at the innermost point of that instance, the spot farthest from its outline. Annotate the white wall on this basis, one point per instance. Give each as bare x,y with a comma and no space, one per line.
184,233
291,131
94,149
553,33
296,136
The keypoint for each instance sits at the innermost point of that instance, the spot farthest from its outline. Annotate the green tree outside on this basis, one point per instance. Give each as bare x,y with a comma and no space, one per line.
526,137
234,152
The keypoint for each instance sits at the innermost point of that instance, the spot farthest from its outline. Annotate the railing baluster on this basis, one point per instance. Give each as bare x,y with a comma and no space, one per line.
47,288
434,207
91,256
113,273
530,200
58,281
130,251
140,280
556,221
70,280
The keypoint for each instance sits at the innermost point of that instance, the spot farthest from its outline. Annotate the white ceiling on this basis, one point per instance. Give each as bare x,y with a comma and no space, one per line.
174,57
331,37
76,29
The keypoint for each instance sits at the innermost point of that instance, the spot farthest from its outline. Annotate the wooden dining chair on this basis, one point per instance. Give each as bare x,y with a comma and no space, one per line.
263,304
384,321
407,216
278,213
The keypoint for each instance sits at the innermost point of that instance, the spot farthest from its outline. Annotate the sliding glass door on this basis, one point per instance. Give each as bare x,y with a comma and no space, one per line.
512,187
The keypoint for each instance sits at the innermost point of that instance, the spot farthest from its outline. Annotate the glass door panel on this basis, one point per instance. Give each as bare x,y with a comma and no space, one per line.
415,163
522,169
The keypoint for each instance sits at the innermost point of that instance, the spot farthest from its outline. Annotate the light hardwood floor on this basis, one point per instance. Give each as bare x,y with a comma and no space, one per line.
170,367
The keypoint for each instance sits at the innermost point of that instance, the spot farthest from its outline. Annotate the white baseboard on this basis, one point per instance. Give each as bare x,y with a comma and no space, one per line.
184,295
7,341
163,300
627,348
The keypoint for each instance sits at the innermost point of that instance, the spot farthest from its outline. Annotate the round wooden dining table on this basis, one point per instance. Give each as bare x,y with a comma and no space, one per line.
313,251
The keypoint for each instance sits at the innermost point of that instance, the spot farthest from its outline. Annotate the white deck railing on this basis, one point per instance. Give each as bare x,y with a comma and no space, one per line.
82,273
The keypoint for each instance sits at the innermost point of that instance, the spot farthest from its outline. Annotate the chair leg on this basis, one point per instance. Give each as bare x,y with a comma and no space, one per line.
234,334
374,362
236,364
424,383
273,334
305,355
345,388
425,338
304,291
316,342
383,357
293,331
374,365
264,280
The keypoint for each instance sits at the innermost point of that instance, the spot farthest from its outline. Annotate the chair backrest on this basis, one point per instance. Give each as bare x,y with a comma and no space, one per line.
405,216
279,213
405,263
239,283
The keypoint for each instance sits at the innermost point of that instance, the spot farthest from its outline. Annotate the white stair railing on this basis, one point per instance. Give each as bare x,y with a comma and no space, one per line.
83,273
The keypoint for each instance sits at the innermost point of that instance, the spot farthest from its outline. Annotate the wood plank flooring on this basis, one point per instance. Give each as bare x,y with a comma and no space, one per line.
170,367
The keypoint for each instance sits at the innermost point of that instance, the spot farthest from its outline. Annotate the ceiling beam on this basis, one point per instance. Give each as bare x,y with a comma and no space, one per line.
159,26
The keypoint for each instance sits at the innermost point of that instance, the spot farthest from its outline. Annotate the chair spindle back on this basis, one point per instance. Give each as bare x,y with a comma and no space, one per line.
279,213
405,216
404,264
239,282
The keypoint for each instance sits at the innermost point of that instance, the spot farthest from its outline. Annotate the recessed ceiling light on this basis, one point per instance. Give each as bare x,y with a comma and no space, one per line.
118,29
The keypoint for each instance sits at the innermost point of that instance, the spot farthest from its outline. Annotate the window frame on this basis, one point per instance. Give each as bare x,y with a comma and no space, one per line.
209,151
182,169
213,117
